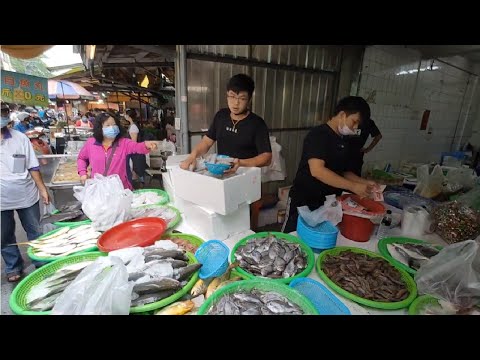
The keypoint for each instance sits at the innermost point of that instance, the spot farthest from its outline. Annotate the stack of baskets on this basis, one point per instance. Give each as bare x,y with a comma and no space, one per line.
321,237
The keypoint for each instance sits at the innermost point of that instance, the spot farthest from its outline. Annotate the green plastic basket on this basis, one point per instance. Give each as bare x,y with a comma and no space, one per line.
194,240
72,223
263,285
171,298
289,238
18,300
419,304
174,222
383,249
32,255
411,286
159,192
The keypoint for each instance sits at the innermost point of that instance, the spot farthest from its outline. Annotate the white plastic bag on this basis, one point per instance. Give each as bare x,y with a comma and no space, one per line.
276,170
429,185
102,288
453,275
331,211
105,201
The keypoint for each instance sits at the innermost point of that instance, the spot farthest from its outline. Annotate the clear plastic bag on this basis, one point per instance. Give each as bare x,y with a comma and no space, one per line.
105,201
429,185
471,198
331,211
102,288
453,275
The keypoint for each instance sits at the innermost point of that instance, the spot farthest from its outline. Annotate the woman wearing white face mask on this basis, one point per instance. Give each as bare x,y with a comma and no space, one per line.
325,167
108,150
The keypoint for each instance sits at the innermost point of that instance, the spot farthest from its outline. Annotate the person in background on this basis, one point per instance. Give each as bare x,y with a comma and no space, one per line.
357,144
21,187
108,150
23,124
326,165
91,117
83,122
139,161
239,132
35,120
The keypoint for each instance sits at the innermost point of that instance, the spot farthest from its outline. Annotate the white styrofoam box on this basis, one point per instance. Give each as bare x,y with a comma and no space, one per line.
177,202
222,196
175,160
213,226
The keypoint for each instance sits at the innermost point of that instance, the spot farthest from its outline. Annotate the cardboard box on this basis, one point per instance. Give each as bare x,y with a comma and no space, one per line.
222,196
213,226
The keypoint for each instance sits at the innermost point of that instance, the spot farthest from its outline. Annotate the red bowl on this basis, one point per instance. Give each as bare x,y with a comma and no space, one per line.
139,232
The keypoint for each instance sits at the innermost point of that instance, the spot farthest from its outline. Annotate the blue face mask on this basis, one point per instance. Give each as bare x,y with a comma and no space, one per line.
5,121
111,132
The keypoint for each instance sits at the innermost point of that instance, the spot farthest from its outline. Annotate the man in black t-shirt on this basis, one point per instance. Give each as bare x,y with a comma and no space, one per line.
325,167
239,133
357,144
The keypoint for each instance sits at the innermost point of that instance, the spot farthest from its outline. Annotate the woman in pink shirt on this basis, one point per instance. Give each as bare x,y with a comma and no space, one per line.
108,150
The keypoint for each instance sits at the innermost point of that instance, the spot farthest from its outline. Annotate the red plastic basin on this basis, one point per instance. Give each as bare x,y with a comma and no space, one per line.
139,232
356,228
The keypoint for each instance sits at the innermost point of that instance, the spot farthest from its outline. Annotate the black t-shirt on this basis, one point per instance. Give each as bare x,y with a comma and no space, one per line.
325,144
367,128
247,139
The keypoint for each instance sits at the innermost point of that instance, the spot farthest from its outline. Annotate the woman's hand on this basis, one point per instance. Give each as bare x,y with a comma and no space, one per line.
150,145
83,179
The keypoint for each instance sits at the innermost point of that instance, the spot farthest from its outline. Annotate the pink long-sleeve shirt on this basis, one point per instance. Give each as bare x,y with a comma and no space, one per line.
93,153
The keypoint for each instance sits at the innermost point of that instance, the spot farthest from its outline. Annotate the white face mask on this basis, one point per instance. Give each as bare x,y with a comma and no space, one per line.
345,130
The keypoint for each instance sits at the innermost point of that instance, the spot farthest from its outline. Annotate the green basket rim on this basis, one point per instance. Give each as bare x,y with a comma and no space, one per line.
172,298
32,255
382,248
410,283
285,290
163,193
72,223
38,275
290,238
174,222
417,304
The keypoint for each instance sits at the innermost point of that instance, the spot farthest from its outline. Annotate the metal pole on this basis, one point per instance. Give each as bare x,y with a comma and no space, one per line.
65,108
467,113
140,104
459,115
181,96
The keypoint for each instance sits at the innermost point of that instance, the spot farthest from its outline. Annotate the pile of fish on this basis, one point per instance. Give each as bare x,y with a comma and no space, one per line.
443,307
177,308
412,255
254,302
158,271
184,244
271,257
369,277
65,241
42,296
207,287
164,212
146,198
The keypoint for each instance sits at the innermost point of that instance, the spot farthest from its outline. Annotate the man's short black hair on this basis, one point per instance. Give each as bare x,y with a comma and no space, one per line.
241,82
352,105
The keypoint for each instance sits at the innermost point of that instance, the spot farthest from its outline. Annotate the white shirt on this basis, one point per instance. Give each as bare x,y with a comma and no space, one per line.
133,129
17,190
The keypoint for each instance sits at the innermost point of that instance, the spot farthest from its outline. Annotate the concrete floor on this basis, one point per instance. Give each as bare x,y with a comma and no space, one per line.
7,287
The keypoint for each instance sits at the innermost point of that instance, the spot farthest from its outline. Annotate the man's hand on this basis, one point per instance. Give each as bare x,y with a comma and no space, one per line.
150,145
185,164
44,195
234,168
363,190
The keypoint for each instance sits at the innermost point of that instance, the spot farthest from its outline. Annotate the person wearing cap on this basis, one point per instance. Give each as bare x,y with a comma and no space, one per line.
21,188
23,124
35,120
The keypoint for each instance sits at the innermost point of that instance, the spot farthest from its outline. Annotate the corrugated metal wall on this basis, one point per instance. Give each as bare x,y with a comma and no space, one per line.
290,100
